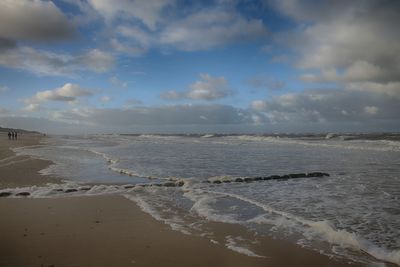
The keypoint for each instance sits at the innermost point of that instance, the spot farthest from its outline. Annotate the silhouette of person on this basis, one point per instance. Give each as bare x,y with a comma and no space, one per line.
16,135
9,136
12,135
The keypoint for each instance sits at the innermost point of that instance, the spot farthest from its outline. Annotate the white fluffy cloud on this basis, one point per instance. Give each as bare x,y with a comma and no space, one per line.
140,25
49,63
207,88
67,93
42,21
391,89
330,106
32,20
259,105
372,110
142,37
147,12
210,28
346,41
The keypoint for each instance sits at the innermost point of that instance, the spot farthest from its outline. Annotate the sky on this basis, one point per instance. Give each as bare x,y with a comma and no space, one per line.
223,66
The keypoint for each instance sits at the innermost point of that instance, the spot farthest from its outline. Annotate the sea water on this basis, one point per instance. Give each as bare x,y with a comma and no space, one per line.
352,214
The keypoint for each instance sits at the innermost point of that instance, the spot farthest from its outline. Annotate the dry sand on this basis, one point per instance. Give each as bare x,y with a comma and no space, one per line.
111,231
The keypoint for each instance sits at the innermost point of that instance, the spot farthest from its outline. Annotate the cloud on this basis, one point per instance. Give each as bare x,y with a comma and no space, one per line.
172,95
42,21
280,59
345,41
391,88
207,88
140,25
311,111
259,105
265,82
166,119
105,99
372,110
67,93
117,82
132,102
211,27
6,44
84,14
358,71
127,48
39,124
143,38
166,115
32,20
31,107
96,60
49,63
132,40
330,106
149,13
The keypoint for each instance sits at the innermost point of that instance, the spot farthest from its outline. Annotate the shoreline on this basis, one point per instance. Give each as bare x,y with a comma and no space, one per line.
112,230
18,171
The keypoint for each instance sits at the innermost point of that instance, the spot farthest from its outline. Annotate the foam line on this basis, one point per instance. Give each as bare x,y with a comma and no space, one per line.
387,145
112,166
71,188
145,207
325,230
232,245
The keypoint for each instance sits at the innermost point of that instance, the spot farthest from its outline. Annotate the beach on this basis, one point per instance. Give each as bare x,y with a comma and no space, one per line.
111,230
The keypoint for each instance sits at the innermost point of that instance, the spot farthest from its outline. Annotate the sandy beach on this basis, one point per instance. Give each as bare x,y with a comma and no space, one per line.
110,230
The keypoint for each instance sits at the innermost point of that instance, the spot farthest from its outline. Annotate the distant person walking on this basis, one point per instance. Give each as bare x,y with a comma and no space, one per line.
16,135
9,136
12,135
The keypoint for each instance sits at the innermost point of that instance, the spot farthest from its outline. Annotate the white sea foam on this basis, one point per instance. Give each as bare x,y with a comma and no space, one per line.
112,165
175,223
379,145
104,155
232,245
328,232
123,171
66,189
202,206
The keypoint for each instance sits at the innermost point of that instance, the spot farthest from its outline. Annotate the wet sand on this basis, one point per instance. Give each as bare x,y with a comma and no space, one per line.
17,171
112,231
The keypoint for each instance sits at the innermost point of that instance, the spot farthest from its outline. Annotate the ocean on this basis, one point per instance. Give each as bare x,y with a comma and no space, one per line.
190,181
